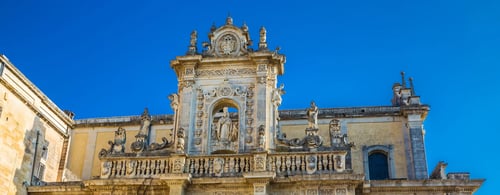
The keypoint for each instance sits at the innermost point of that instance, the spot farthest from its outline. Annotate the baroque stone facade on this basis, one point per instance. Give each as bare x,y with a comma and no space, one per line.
228,136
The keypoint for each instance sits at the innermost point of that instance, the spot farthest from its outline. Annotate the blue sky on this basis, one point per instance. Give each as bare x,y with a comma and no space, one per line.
111,58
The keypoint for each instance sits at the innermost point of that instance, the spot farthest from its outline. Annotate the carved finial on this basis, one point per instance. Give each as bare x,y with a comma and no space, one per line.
411,86
263,39
192,43
229,20
213,27
403,82
244,27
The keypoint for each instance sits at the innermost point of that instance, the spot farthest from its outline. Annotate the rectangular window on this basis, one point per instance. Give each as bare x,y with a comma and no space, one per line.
41,172
45,150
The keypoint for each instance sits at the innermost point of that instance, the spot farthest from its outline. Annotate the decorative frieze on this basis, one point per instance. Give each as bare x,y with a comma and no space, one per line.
224,72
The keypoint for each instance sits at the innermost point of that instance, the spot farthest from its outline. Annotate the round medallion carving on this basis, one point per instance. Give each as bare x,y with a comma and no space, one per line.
227,45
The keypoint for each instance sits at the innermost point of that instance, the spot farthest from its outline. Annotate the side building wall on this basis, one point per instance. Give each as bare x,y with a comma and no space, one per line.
90,136
33,133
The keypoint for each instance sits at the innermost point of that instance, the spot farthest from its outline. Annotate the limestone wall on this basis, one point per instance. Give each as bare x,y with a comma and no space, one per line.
363,131
87,142
25,114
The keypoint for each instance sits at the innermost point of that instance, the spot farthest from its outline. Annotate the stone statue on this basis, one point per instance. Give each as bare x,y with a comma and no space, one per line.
262,136
277,99
194,38
263,33
262,42
118,146
224,126
192,43
180,141
174,101
145,122
312,116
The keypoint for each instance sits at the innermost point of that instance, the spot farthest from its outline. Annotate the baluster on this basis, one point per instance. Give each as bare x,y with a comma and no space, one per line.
294,165
278,164
196,166
303,164
239,168
283,163
119,168
144,166
161,167
330,162
112,168
168,167
226,165
319,162
210,166
231,164
248,165
271,164
191,166
205,166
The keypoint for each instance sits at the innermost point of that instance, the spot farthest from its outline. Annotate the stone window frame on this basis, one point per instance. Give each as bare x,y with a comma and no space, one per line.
387,150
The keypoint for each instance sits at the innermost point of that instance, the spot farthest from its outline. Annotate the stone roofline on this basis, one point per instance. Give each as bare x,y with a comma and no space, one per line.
293,114
33,97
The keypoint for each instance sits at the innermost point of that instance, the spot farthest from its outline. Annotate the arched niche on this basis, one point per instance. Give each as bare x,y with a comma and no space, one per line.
225,116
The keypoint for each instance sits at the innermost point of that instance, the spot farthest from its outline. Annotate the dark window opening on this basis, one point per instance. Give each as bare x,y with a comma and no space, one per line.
378,166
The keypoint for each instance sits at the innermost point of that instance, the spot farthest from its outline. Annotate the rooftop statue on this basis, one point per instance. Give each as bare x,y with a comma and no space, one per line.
312,116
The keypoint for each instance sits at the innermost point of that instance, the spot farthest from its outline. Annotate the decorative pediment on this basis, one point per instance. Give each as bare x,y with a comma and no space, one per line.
227,40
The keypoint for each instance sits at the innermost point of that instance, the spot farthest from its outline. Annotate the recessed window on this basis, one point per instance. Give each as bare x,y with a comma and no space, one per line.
378,166
378,162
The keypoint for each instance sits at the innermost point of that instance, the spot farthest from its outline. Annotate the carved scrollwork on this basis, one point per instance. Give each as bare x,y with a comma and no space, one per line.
159,146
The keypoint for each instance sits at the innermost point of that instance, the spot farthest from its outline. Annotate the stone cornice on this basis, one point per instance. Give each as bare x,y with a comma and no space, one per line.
346,112
44,100
434,185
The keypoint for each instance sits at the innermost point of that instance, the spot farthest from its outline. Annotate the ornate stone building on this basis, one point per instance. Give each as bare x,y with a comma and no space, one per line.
228,136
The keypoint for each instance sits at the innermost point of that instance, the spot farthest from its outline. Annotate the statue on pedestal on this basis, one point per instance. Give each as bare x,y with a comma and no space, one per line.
312,116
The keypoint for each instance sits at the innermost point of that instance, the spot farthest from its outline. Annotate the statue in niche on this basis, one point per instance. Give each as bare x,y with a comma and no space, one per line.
225,129
312,116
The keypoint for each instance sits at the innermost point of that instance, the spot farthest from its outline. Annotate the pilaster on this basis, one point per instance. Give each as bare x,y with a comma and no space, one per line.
415,116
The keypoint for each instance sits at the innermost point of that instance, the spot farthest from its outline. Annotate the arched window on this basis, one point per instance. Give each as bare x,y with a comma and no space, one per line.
378,162
378,166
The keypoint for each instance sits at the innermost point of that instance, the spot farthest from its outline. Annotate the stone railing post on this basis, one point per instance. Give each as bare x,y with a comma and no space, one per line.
260,162
178,163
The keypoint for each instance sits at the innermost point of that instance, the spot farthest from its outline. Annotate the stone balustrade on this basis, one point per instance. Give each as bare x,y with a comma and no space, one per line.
224,165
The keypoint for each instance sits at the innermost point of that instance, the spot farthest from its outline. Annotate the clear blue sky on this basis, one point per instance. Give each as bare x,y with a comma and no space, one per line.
111,58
